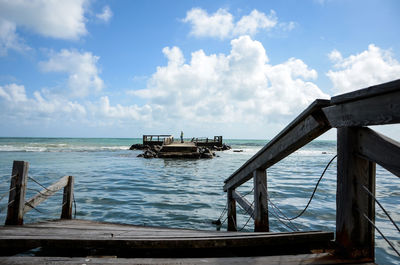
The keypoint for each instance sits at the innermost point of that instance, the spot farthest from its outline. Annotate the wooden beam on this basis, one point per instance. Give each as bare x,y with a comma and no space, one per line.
302,133
244,203
377,110
66,212
231,215
368,92
16,199
380,149
261,222
45,194
354,234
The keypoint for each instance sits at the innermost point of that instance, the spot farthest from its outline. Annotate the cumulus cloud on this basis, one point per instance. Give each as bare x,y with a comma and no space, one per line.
106,15
9,38
45,106
81,68
238,87
370,67
14,102
221,24
57,19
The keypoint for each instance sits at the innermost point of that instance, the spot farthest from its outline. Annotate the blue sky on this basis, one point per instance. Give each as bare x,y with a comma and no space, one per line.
242,69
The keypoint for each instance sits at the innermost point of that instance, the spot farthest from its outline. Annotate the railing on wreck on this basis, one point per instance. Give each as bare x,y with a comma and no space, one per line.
157,139
358,149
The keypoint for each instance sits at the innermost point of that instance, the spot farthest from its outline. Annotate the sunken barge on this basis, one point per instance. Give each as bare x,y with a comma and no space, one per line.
165,146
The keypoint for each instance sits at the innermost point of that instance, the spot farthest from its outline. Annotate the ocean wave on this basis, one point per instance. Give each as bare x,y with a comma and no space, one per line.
59,148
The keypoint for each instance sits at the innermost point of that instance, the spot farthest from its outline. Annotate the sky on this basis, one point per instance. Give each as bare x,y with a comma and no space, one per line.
241,69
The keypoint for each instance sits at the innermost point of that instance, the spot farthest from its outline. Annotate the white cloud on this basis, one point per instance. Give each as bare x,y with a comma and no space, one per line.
57,19
15,103
103,109
240,87
253,22
9,38
221,24
367,68
81,67
106,15
13,93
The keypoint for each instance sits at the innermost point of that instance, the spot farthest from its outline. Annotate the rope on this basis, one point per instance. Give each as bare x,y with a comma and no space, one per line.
380,205
38,191
6,193
247,220
277,215
312,195
379,231
38,183
224,211
280,220
33,207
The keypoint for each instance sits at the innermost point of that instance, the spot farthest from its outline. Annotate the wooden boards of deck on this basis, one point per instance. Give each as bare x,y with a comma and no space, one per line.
321,258
79,237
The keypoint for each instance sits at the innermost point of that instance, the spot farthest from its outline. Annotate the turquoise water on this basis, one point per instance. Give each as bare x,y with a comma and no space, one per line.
113,185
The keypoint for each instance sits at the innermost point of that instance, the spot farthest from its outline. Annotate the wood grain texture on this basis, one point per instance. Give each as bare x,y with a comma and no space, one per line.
45,194
244,203
368,92
231,214
261,222
16,201
380,149
66,212
377,110
354,234
320,258
112,239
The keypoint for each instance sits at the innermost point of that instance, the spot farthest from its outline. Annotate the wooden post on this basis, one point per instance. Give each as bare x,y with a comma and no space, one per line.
231,211
16,199
67,199
261,223
354,234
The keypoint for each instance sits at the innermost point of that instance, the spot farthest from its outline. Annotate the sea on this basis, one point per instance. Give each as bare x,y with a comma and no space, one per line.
112,184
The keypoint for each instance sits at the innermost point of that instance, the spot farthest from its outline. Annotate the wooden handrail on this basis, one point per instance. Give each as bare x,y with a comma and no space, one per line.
17,207
359,148
310,124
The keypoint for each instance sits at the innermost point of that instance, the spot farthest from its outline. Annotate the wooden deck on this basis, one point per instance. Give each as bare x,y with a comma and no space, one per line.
83,238
322,258
88,242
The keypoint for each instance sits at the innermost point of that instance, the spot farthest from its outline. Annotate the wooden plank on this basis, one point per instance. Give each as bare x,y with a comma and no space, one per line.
16,199
45,194
231,214
244,203
66,212
371,91
354,234
261,222
377,110
304,132
320,258
112,242
380,149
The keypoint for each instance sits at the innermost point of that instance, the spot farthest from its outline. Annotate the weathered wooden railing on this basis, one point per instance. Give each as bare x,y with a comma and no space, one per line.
18,207
157,139
358,149
205,141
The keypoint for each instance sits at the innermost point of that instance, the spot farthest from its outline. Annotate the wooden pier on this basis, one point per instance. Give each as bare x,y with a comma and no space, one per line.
359,148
